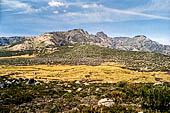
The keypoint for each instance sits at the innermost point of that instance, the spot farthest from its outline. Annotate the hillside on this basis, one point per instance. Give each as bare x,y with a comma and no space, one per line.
84,54
51,40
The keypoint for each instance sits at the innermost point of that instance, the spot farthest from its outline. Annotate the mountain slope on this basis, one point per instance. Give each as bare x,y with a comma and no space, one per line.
4,41
51,40
140,43
55,39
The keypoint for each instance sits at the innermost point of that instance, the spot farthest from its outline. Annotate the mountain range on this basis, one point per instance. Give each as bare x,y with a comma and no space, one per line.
52,40
4,41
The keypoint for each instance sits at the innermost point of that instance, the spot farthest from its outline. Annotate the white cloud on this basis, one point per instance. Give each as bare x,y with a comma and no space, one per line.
101,8
56,4
20,7
99,12
93,13
159,5
94,5
128,12
85,6
56,12
15,4
155,7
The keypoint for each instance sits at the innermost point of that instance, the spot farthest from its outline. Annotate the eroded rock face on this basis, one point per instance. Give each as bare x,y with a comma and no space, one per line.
101,35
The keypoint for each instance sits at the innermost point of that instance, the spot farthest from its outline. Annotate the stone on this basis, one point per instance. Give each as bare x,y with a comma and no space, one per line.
69,91
77,82
6,84
69,86
86,84
13,81
158,83
97,89
106,102
79,89
2,85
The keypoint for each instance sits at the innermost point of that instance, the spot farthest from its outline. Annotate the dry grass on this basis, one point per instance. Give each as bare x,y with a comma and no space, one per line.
21,56
107,72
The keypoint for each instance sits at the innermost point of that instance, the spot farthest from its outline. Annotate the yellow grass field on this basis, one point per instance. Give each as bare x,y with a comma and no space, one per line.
107,72
21,56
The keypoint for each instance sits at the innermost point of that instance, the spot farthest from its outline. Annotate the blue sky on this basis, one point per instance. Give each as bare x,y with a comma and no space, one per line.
114,17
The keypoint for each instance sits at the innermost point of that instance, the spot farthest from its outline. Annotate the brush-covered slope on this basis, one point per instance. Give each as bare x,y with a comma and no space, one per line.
85,54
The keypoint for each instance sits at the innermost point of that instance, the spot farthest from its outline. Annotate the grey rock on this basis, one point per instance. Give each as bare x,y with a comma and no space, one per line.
86,83
78,82
158,83
97,89
2,85
69,86
106,102
5,84
79,89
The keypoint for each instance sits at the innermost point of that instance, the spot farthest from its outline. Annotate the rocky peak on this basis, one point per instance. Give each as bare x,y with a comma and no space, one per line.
141,37
101,34
78,31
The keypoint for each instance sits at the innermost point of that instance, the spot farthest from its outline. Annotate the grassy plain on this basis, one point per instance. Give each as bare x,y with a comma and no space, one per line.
104,73
22,56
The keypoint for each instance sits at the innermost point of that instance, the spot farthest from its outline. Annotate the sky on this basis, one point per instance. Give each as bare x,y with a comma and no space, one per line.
114,17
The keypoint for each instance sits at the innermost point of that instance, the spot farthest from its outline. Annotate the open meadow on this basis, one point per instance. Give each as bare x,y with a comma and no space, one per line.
104,73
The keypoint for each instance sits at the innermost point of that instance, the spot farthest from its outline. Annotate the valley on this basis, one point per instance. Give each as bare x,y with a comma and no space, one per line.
74,72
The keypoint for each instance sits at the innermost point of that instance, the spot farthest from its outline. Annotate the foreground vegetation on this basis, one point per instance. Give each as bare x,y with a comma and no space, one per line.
128,81
83,54
58,96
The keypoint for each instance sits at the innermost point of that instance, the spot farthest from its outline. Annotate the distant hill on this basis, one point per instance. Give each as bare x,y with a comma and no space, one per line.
4,41
51,40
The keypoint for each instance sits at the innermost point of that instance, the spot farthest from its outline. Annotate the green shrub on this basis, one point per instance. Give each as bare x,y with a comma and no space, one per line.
156,97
